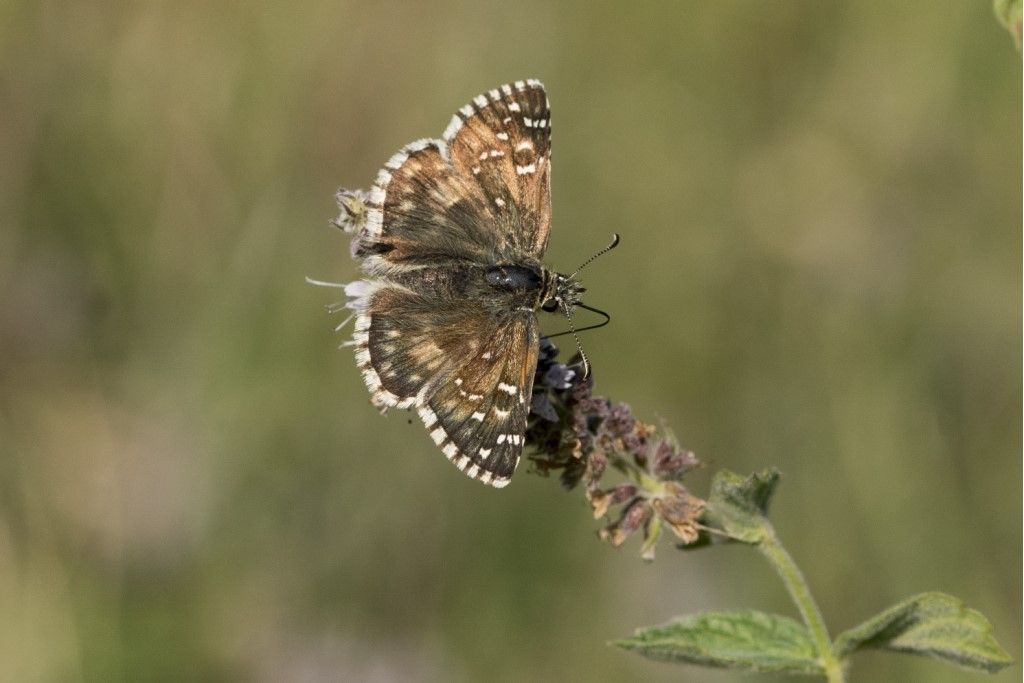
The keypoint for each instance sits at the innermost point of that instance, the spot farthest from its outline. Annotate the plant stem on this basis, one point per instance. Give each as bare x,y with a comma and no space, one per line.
786,568
642,479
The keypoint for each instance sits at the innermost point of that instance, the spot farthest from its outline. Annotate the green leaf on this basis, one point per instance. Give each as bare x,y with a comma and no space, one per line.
746,640
738,505
932,624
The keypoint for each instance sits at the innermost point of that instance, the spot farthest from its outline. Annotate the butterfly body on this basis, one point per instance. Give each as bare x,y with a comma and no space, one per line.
446,322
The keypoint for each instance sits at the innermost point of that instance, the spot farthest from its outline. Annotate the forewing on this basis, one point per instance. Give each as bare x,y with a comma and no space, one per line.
482,192
502,140
422,212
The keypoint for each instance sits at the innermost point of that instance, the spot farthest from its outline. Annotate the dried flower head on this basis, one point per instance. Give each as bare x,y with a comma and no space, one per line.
352,216
579,435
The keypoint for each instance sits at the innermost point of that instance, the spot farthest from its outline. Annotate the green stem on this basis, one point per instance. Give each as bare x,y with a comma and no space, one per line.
637,474
791,575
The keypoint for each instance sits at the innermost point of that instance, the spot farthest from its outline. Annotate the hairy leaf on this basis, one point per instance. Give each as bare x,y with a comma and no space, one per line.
745,640
932,624
738,504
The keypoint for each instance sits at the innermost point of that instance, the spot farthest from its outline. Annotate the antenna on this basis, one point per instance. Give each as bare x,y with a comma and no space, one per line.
568,313
615,243
579,347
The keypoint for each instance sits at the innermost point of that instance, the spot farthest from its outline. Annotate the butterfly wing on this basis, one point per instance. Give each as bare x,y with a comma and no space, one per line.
481,410
477,197
480,194
503,140
467,371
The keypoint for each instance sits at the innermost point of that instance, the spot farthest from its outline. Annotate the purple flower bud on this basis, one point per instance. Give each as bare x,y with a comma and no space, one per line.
578,435
547,352
633,517
559,377
596,465
621,493
670,463
620,421
541,406
681,512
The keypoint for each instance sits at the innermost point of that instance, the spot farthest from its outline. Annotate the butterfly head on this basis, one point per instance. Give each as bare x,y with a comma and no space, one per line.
565,293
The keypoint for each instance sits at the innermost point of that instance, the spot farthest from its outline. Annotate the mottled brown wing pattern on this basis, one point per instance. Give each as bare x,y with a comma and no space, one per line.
503,140
406,343
478,415
422,211
468,373
428,334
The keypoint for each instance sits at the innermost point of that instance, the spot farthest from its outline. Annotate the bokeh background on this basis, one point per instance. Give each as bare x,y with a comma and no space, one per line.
820,206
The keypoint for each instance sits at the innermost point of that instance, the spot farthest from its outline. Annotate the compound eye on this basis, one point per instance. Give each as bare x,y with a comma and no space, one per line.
551,305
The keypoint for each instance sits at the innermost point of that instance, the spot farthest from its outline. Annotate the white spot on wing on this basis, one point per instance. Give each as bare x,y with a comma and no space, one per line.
507,388
529,168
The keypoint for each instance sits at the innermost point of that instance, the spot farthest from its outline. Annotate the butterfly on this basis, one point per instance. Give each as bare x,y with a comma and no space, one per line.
451,241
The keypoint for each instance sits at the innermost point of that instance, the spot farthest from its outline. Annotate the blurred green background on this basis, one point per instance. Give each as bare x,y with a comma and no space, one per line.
820,207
